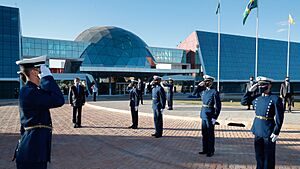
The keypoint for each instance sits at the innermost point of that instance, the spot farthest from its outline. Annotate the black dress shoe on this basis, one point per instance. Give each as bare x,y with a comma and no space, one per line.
75,126
134,127
130,127
79,126
170,108
153,135
209,154
202,152
157,136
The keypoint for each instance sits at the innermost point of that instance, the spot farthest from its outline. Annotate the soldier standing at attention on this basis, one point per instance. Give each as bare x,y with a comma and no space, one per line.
170,92
210,111
267,123
37,96
158,105
134,104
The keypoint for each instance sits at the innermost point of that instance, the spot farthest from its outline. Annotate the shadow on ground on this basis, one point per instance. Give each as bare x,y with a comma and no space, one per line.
106,151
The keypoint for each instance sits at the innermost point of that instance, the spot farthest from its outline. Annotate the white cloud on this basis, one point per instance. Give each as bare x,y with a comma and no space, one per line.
282,23
281,30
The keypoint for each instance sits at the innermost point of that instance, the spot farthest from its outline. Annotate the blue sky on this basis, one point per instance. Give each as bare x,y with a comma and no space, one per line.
161,23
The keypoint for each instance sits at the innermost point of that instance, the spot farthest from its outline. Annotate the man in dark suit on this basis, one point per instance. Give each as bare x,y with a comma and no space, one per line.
286,93
134,103
158,105
39,94
267,123
77,100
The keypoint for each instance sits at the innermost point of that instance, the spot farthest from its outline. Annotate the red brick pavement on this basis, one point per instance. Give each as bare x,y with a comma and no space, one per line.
105,142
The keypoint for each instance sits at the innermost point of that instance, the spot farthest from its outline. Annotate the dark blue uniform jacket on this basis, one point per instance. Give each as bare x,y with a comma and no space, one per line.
269,106
210,98
169,87
158,97
34,104
134,97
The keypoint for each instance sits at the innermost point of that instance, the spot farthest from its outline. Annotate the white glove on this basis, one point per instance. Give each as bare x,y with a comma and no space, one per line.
161,110
213,121
45,71
253,88
136,108
274,137
202,83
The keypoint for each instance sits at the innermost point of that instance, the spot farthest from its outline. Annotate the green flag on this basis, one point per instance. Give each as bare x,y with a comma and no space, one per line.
251,5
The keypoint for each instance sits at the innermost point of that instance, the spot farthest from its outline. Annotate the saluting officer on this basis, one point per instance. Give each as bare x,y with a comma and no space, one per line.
248,86
134,103
170,92
37,96
158,105
267,123
210,111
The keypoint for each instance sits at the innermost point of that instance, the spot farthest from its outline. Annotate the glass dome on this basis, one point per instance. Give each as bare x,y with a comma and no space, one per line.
113,47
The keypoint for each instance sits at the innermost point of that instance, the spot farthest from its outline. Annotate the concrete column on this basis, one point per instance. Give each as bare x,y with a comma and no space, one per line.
109,81
124,87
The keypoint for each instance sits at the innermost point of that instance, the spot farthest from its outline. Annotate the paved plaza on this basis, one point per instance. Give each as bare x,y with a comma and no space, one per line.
105,142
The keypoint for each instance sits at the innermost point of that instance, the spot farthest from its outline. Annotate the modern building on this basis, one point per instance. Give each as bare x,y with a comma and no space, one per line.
111,56
237,61
10,51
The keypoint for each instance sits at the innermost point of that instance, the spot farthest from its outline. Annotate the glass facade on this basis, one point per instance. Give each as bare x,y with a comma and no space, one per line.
9,51
238,57
32,47
113,47
168,55
9,42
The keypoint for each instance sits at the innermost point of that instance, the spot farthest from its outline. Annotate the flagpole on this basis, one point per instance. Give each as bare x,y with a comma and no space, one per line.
219,45
256,50
288,51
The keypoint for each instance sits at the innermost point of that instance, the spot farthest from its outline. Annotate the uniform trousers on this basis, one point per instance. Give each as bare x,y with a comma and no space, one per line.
170,100
32,165
158,122
264,152
134,116
208,136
